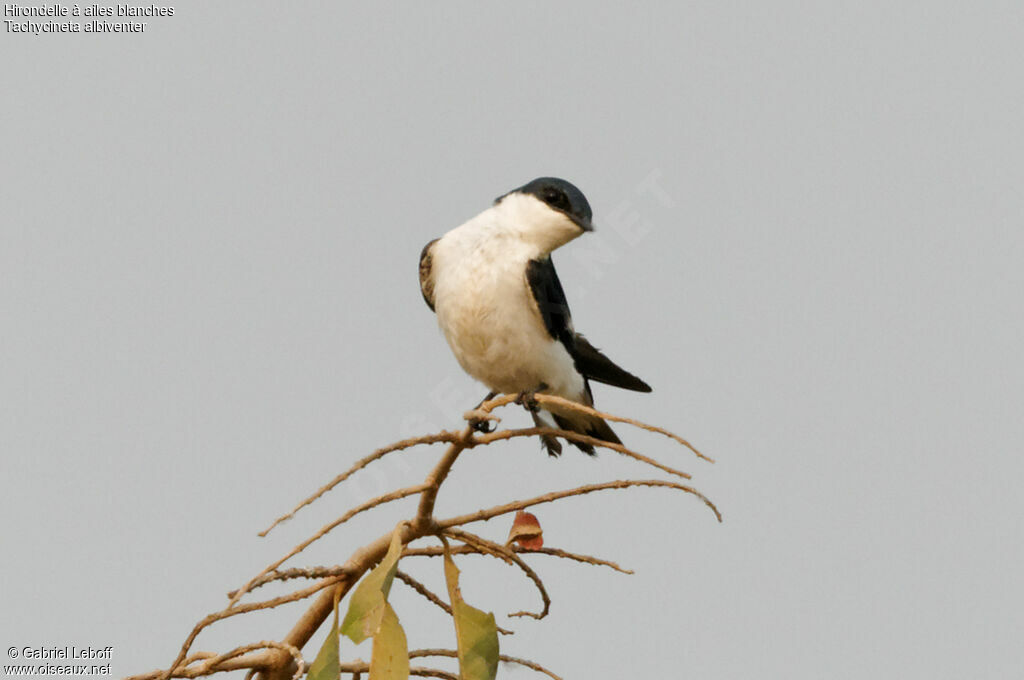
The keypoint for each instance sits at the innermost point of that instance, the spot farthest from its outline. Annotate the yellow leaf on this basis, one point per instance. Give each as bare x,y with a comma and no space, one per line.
475,631
366,608
327,665
390,659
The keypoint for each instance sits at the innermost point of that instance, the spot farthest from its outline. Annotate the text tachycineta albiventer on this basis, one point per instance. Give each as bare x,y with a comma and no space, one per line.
504,313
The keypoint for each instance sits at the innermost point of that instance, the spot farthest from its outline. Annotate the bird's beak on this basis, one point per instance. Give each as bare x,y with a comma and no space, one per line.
583,224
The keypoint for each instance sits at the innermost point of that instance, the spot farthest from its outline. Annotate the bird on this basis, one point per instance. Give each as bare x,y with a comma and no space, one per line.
498,301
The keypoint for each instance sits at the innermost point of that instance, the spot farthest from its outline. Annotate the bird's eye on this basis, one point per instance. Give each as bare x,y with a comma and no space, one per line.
556,199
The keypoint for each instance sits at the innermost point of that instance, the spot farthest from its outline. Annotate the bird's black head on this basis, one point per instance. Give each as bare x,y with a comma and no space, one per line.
561,196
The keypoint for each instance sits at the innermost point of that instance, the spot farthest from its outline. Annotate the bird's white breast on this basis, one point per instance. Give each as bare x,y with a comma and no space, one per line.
486,310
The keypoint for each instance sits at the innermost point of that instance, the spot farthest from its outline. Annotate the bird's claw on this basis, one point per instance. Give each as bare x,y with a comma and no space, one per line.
481,421
528,399
482,426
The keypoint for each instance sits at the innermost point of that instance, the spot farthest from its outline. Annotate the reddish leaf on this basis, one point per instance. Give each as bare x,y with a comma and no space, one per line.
526,531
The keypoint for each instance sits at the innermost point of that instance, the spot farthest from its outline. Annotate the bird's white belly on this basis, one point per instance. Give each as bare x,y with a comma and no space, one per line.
497,335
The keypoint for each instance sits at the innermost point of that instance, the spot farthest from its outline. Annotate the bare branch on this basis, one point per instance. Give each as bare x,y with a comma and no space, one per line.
577,437
477,414
503,553
432,673
541,398
360,561
432,597
586,559
422,590
425,512
359,667
197,656
443,436
298,572
497,402
566,403
327,528
279,660
416,653
483,515
470,550
228,661
242,609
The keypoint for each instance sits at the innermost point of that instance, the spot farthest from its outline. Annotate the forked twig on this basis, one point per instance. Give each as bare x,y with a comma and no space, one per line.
280,660
503,553
214,663
541,398
432,597
443,436
425,512
243,609
327,528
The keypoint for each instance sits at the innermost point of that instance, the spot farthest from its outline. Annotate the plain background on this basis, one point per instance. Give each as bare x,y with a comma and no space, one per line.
810,236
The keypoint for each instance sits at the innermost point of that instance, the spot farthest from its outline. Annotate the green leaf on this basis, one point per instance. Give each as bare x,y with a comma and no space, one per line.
327,665
390,659
475,631
366,608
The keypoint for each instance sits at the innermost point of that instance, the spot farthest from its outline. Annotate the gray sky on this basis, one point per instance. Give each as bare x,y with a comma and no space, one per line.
810,230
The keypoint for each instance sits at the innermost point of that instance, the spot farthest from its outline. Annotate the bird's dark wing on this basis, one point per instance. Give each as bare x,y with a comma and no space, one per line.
550,300
426,275
554,310
596,366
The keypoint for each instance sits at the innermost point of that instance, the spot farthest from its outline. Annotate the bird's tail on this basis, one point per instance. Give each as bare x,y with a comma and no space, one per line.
581,423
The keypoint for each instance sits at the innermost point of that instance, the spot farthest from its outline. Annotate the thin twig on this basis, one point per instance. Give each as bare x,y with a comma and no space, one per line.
489,513
422,590
416,653
577,437
470,550
503,553
359,562
213,663
327,528
272,661
572,405
432,673
359,667
242,609
298,572
432,597
586,559
197,656
498,402
443,436
541,398
316,614
300,664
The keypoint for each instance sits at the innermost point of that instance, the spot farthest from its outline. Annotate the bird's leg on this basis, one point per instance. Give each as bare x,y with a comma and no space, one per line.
482,424
549,443
528,398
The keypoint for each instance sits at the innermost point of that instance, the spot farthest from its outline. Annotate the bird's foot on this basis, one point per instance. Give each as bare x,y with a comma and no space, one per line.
481,421
528,398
